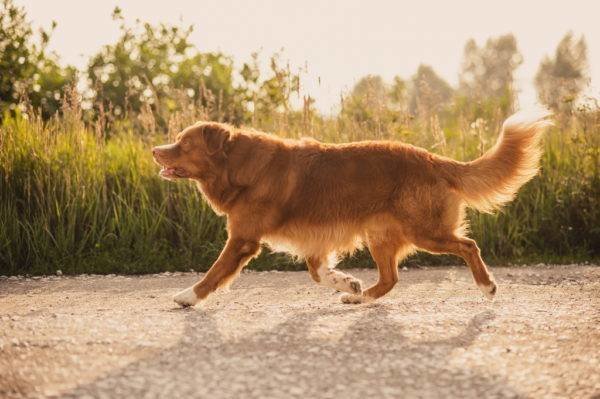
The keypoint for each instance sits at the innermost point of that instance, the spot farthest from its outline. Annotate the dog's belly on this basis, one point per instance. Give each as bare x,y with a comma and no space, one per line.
305,240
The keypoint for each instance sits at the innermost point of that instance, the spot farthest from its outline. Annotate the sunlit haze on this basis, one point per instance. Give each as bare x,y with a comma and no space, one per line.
338,41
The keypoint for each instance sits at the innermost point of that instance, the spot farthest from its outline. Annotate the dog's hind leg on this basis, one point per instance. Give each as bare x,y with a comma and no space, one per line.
386,253
321,269
467,249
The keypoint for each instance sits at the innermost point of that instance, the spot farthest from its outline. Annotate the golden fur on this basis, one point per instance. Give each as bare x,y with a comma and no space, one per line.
319,201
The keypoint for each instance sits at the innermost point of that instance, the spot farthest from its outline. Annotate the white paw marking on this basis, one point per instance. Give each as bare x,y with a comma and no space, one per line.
489,290
339,281
186,297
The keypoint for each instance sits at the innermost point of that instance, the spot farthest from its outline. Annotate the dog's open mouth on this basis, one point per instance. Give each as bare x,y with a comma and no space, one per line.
173,173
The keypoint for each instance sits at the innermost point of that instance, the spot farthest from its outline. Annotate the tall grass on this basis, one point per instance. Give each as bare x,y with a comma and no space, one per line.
76,199
73,201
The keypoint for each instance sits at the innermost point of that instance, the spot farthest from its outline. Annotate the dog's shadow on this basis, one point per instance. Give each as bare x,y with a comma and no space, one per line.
372,358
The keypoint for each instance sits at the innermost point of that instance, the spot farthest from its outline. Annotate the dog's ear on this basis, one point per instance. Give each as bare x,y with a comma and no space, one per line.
215,137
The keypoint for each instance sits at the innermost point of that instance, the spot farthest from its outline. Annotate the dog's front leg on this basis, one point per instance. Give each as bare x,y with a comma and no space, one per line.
237,252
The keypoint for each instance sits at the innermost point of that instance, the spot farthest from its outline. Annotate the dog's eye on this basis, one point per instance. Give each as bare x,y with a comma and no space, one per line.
185,143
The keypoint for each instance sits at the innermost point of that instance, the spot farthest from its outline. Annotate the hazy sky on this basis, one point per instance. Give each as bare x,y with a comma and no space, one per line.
339,41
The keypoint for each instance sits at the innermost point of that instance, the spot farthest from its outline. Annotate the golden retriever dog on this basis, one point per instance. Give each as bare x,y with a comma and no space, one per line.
320,201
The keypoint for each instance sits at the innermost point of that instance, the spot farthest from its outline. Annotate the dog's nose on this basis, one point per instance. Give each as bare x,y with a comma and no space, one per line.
154,151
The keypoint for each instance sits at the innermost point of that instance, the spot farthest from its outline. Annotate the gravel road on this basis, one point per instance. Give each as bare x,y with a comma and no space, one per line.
277,334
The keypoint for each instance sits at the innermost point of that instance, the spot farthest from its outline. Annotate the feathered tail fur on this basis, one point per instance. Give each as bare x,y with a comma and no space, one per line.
492,180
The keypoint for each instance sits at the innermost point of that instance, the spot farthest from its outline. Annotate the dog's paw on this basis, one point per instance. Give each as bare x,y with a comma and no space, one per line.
186,297
355,286
353,298
489,290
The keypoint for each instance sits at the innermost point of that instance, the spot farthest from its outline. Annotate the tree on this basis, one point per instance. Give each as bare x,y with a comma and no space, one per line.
398,92
268,97
367,100
430,93
560,80
487,72
27,71
152,65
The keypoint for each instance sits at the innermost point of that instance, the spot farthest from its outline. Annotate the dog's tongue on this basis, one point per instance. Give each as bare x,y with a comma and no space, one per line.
167,172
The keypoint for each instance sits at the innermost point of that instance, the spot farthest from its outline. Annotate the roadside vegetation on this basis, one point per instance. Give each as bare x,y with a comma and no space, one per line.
79,190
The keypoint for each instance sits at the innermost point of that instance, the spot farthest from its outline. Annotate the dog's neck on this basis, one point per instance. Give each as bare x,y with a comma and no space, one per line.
218,191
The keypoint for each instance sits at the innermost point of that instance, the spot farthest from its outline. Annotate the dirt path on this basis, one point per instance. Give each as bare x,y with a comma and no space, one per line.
279,335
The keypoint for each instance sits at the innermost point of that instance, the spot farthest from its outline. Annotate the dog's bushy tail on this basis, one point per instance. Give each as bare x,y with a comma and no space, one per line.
492,180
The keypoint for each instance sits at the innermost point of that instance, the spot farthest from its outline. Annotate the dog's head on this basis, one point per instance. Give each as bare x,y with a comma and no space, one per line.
197,149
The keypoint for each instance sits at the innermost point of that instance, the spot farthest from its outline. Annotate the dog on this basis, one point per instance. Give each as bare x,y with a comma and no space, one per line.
319,201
